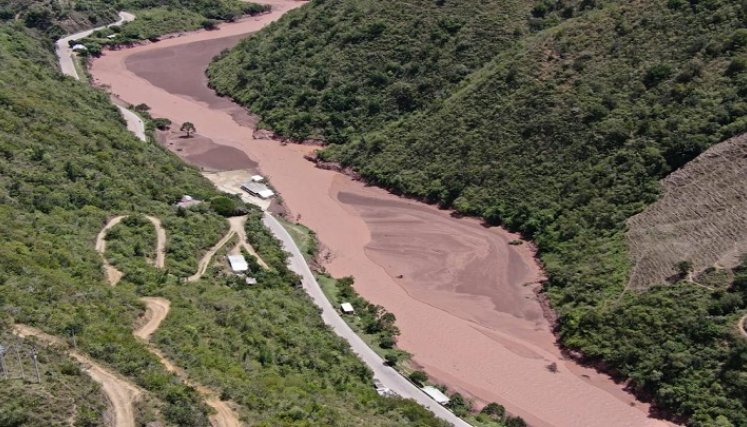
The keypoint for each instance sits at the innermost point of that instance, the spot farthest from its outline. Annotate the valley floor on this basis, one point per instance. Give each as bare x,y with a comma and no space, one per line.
464,298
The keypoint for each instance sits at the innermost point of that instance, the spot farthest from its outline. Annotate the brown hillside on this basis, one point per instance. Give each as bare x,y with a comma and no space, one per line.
701,217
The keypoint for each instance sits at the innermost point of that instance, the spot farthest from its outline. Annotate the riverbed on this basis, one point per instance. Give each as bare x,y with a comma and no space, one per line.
464,297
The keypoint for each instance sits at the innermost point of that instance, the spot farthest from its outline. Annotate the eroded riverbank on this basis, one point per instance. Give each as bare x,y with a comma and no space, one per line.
465,301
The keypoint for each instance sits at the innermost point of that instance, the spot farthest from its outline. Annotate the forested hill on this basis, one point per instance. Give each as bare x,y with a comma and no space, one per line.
555,118
67,164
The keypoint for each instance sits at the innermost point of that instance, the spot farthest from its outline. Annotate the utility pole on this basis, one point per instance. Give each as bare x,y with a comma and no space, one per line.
36,365
3,371
20,363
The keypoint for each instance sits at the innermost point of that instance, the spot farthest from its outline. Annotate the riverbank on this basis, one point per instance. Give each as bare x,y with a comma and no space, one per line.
462,295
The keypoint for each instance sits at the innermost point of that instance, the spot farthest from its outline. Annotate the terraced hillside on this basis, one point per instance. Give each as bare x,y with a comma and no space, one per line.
701,217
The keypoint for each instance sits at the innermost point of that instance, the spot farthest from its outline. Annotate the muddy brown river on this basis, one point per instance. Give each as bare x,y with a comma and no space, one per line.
464,298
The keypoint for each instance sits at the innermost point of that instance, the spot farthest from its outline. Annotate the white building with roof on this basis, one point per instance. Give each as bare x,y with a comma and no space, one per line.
257,189
436,394
238,263
347,308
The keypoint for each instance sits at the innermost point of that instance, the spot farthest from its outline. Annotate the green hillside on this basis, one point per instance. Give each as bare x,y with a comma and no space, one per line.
67,163
557,120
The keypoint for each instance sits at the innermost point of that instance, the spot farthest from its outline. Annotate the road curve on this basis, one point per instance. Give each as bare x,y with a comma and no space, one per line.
741,326
67,65
160,260
156,310
112,274
121,394
388,376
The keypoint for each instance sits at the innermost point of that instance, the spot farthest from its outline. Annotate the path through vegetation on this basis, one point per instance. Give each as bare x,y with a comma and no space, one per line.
122,394
237,224
156,311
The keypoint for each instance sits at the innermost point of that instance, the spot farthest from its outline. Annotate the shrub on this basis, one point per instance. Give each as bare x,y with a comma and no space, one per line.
418,377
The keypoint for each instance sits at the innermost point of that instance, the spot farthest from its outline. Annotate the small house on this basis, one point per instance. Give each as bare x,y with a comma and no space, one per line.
258,178
79,48
257,189
250,281
347,308
238,263
187,201
436,394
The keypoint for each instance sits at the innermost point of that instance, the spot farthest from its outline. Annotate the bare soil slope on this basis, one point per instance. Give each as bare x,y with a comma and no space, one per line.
701,217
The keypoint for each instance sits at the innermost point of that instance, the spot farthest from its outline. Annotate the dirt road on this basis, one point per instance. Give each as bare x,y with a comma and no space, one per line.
121,393
236,224
160,260
113,276
156,310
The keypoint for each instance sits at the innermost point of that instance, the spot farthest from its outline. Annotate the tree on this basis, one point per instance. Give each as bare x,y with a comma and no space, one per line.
458,405
494,411
188,127
419,377
223,206
684,268
391,359
515,422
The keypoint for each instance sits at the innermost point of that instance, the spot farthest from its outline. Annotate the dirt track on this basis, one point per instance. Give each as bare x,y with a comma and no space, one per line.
463,302
113,276
156,311
121,393
236,229
160,261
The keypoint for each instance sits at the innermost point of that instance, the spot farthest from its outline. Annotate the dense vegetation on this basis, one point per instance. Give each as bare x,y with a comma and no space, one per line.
67,163
556,120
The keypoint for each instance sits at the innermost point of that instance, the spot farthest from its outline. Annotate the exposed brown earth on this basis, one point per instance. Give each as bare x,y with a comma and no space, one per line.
156,310
113,276
121,393
465,303
701,217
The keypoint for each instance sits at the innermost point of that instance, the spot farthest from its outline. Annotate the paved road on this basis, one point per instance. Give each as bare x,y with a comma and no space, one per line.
67,66
388,376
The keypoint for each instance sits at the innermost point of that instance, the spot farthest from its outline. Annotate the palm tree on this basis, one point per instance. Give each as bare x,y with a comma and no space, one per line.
189,128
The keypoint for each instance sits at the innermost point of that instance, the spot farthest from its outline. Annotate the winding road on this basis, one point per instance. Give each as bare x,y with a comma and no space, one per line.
113,275
67,65
156,311
120,392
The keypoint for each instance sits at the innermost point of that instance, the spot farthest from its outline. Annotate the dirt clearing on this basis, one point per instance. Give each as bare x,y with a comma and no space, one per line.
701,217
